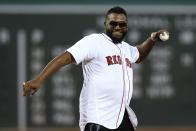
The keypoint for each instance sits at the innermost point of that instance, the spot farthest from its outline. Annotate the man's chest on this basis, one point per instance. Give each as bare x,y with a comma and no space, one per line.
110,55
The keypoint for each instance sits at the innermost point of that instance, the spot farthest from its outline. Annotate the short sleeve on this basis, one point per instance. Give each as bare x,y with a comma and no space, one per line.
134,54
82,50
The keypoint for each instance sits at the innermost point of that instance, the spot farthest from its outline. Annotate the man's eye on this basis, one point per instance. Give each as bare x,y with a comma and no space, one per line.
120,24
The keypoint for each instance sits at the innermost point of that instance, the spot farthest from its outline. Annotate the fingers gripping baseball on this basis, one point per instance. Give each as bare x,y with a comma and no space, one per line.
30,88
161,35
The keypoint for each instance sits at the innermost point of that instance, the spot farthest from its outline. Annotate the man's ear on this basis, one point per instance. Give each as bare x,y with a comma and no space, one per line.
105,23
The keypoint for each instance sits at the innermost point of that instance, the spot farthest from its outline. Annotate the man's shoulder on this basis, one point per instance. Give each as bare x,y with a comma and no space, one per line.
93,35
92,38
128,44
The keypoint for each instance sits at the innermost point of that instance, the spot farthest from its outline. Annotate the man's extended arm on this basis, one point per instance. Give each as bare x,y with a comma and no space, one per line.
147,45
30,87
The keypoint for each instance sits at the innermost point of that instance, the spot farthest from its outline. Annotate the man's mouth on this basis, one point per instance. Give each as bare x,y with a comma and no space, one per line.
117,33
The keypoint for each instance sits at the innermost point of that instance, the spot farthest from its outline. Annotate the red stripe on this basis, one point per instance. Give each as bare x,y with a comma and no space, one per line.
129,85
120,109
123,86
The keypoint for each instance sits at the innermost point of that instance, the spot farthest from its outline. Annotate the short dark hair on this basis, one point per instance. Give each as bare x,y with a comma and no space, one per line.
116,9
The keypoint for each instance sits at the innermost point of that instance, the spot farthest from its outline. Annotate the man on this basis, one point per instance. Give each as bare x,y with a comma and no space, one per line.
108,75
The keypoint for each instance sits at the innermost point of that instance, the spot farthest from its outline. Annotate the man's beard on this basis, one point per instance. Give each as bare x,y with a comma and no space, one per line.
114,39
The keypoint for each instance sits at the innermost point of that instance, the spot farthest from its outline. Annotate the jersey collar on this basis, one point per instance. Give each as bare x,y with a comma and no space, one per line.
107,37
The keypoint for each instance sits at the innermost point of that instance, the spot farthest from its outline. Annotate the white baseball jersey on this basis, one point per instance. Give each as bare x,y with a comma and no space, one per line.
108,80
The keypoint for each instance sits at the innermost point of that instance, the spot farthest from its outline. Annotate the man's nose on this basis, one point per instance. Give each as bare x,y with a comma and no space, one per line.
117,27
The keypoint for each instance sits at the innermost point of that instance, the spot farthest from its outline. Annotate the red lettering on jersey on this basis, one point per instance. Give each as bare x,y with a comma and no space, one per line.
109,60
128,62
119,60
115,59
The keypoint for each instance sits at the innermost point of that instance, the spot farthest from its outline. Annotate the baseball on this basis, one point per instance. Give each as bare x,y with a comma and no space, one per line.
164,36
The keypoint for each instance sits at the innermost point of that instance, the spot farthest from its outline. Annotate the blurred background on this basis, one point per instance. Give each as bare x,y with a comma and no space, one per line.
32,32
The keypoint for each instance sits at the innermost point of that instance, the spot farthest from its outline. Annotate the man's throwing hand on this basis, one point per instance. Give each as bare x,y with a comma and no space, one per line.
161,35
30,87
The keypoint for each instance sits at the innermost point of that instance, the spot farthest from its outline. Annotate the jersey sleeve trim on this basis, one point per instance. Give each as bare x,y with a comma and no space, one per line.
74,56
136,57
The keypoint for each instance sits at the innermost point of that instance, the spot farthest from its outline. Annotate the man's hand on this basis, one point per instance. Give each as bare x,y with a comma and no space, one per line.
155,36
147,45
30,87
